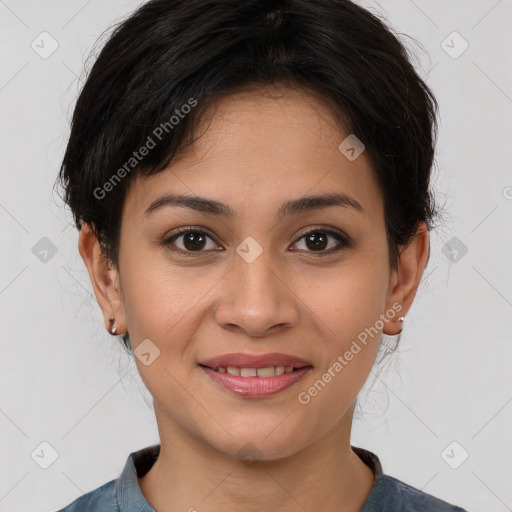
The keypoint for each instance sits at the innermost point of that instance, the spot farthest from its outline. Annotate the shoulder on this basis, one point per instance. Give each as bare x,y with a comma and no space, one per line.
389,494
412,499
103,498
122,493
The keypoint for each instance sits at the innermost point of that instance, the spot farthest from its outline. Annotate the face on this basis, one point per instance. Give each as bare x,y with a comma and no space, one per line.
256,277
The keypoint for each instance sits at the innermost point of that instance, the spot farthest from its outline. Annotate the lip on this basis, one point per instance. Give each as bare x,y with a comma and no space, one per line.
242,360
256,387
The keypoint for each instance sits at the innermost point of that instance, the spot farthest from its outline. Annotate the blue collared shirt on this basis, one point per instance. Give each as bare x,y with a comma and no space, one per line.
124,495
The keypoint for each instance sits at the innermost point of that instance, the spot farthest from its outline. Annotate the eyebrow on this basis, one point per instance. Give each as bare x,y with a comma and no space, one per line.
292,207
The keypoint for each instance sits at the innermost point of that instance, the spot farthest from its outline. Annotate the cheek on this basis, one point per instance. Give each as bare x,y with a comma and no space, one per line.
159,299
346,309
346,312
349,299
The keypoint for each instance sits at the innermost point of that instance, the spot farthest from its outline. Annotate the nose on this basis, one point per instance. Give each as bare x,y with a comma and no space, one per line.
257,299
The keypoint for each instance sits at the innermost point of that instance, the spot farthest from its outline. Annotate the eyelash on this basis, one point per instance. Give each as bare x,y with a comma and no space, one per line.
344,242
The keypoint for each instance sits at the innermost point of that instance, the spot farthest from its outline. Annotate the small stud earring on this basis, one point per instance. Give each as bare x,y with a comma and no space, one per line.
390,340
113,328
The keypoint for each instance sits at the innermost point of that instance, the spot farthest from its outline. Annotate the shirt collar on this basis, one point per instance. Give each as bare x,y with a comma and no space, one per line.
131,499
384,495
128,493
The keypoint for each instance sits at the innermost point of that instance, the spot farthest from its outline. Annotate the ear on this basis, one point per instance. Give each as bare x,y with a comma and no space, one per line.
404,283
104,277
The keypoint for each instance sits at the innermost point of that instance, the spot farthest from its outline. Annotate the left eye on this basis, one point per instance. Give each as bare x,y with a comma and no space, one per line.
317,240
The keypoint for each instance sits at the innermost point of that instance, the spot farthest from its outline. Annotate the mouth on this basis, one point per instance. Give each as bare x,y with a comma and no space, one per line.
268,371
255,376
274,362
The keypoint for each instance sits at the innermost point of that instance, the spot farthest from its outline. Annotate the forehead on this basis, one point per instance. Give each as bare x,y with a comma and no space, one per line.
259,146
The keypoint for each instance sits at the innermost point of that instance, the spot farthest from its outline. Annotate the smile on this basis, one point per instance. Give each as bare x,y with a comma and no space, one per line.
255,382
269,371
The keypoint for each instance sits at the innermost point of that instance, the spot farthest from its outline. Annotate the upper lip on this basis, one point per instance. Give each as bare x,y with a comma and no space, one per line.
242,360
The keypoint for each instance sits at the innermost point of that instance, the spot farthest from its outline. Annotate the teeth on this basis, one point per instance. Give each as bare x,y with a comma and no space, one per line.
269,371
266,372
248,372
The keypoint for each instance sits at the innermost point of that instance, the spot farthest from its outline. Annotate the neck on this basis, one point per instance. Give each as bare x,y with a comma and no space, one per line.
191,475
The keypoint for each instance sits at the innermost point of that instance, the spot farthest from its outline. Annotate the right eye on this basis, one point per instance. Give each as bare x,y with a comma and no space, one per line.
189,241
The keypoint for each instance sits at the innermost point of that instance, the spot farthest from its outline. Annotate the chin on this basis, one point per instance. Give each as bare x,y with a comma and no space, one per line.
258,446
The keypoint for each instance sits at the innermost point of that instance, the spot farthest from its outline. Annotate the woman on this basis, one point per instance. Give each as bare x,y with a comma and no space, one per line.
251,185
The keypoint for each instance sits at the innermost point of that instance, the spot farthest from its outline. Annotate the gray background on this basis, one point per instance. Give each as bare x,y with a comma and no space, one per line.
66,382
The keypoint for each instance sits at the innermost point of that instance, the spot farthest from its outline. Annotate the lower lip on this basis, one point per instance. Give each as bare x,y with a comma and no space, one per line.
256,387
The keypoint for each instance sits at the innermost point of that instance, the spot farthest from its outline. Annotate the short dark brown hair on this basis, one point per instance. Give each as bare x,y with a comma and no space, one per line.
174,58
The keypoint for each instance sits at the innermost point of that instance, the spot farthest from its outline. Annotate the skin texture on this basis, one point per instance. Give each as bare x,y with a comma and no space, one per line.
262,147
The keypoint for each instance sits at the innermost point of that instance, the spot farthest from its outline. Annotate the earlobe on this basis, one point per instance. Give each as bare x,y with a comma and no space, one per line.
412,262
104,279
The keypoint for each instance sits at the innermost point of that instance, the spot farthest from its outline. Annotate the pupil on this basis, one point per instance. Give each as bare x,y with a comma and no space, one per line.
322,239
189,243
